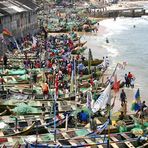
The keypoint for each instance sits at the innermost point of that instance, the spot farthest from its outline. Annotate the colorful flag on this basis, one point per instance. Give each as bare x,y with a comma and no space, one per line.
34,42
56,85
103,99
136,102
116,84
89,60
89,99
100,129
6,32
137,95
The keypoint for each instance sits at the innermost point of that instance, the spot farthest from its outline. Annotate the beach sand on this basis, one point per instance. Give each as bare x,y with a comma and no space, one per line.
98,52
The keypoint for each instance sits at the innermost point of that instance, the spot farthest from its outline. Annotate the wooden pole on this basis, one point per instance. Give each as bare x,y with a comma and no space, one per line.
66,125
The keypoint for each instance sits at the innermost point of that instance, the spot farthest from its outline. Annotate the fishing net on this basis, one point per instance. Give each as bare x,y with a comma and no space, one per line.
122,129
145,124
81,132
137,131
23,108
19,71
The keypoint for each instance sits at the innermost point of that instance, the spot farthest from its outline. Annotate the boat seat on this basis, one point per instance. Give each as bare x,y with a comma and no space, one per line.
1,133
114,145
114,139
129,145
100,146
89,141
73,142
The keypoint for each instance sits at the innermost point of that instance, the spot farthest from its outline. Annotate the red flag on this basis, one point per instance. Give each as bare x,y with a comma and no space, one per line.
116,84
6,32
57,84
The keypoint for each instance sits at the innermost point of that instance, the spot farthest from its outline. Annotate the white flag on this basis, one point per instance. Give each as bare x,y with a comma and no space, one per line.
89,99
34,42
102,100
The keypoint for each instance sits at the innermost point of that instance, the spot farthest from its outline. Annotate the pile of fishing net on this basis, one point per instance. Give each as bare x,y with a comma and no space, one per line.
121,126
23,108
3,125
137,131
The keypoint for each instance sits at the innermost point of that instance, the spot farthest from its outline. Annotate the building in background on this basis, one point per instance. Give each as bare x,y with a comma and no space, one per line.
18,16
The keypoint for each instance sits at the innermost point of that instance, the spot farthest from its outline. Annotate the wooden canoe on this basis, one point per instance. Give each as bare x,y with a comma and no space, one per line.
13,132
72,139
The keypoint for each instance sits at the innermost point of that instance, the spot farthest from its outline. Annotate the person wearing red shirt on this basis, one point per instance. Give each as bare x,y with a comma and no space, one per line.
130,76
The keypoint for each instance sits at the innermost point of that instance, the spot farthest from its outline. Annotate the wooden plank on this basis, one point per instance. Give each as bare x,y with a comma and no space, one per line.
22,117
89,141
65,135
125,136
73,142
128,144
114,139
114,145
98,121
100,146
1,133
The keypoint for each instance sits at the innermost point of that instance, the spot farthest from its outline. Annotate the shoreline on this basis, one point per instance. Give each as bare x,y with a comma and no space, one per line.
103,52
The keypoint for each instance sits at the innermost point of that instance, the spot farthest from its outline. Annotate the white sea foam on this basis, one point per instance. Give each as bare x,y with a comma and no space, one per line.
112,52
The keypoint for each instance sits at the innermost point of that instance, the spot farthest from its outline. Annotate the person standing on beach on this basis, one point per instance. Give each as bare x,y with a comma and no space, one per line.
127,81
130,76
123,97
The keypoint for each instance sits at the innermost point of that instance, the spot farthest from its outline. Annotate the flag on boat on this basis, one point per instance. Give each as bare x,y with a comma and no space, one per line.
89,99
56,85
102,127
103,99
34,43
137,101
116,84
104,64
6,32
99,129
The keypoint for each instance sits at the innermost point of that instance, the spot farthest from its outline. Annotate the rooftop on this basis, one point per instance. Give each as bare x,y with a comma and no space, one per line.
9,7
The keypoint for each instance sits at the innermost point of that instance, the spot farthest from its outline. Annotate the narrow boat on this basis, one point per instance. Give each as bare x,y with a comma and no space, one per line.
14,132
75,139
27,125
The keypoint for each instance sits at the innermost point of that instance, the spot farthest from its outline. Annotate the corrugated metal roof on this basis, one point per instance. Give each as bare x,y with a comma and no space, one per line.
29,3
16,6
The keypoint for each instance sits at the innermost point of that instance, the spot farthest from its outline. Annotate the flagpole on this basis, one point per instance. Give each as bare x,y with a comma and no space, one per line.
55,102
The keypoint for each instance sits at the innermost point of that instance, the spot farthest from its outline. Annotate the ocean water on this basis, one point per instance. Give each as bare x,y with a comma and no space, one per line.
126,44
130,44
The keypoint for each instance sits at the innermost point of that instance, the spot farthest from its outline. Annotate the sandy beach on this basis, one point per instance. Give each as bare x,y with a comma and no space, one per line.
98,52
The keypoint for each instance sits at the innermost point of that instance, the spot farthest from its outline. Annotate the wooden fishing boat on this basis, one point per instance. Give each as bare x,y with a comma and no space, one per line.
13,132
30,124
34,107
80,44
78,50
75,139
94,62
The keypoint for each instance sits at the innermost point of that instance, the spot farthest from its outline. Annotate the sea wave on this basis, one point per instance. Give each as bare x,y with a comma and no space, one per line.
112,52
122,24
